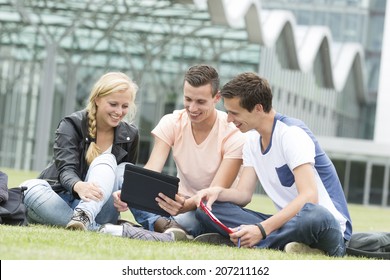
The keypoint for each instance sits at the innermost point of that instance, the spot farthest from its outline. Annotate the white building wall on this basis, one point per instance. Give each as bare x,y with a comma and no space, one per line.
382,128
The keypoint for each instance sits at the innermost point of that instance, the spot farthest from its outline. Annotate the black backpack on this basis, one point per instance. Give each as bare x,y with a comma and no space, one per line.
13,211
370,245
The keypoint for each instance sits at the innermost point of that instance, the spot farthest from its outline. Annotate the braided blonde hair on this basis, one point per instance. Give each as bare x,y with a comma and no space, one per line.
108,83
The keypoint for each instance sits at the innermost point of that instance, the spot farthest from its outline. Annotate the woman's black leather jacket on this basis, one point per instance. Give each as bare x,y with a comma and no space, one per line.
70,147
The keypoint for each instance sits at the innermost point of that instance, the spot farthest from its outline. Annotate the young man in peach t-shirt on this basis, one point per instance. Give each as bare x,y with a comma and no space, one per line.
206,148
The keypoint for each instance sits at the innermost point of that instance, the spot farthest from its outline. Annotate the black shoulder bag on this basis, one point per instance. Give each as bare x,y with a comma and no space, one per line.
13,211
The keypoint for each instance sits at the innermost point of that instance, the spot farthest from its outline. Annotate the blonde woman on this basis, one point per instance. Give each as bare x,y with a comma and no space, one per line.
90,150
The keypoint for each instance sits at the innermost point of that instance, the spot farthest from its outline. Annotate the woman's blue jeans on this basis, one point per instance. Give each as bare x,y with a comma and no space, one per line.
314,225
48,207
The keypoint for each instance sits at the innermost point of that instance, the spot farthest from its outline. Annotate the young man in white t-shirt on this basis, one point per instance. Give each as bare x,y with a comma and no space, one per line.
283,154
206,148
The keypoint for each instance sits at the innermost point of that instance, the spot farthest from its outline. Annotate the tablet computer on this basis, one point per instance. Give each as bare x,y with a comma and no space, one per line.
141,186
214,219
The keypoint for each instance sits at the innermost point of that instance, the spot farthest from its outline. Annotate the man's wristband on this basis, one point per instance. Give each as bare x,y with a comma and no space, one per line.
262,230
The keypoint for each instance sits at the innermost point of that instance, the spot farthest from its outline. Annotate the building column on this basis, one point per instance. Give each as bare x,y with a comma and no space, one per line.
385,192
45,108
382,132
367,183
71,90
347,175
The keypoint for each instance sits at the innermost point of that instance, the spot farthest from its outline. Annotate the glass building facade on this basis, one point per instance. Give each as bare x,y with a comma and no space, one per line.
51,53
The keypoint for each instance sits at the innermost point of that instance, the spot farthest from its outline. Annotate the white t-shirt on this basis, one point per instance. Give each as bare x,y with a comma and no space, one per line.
292,144
198,164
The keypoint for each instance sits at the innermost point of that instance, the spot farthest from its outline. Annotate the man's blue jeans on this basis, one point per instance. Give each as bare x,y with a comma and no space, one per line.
314,225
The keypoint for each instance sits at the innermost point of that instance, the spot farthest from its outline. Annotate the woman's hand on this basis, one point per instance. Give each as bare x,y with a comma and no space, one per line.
88,191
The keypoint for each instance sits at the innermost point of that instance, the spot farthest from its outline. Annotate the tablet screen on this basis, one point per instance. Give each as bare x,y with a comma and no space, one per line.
141,187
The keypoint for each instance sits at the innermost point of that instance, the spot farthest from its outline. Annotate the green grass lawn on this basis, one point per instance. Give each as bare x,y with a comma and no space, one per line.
15,177
37,242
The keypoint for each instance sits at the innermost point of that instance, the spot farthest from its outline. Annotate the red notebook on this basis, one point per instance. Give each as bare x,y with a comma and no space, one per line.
214,219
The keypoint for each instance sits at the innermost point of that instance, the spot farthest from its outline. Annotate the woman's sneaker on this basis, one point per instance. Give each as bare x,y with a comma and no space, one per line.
80,220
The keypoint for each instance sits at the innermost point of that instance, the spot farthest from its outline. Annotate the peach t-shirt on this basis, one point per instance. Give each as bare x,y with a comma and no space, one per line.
198,164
